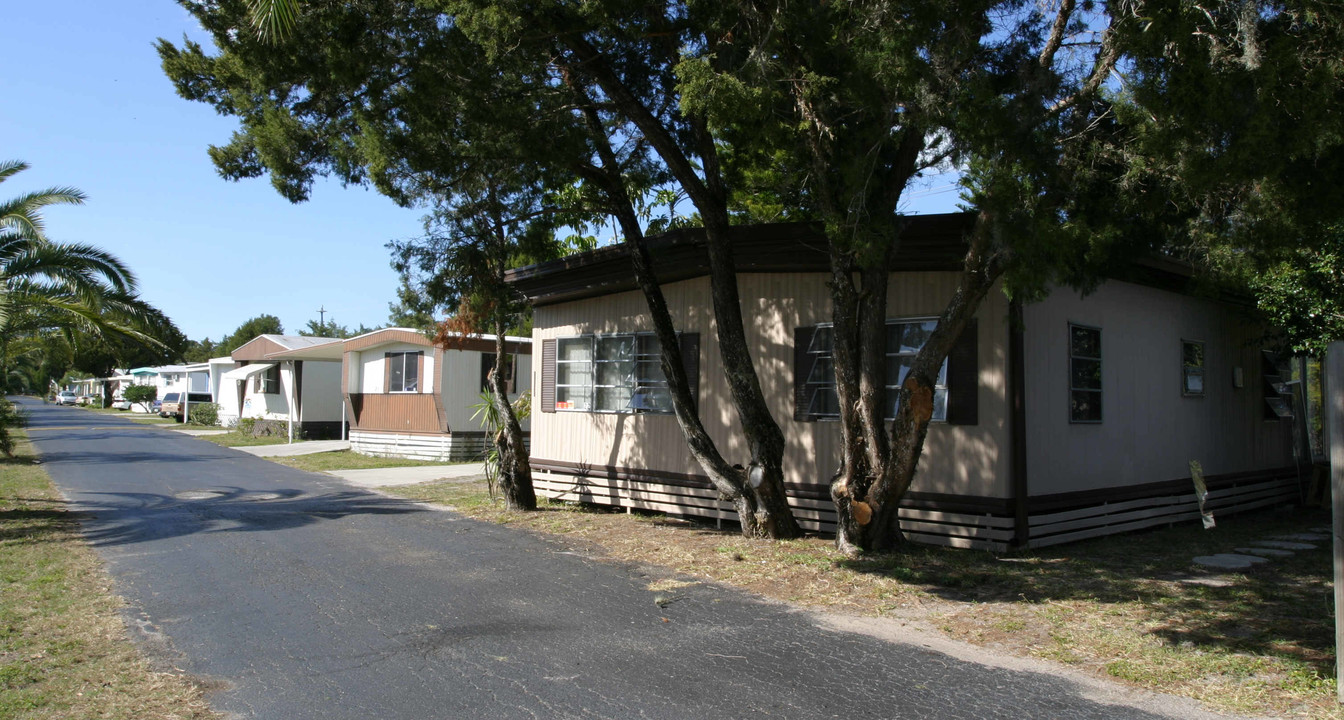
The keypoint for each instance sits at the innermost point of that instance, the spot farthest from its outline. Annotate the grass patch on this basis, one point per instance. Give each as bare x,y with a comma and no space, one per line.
64,652
346,460
1122,607
237,439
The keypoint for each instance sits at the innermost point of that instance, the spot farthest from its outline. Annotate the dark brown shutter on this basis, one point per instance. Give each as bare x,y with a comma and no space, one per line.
802,368
511,386
387,372
690,359
420,371
487,363
548,376
963,378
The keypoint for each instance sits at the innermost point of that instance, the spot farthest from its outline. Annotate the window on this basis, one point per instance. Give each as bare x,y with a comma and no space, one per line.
611,373
1192,368
267,382
403,371
904,339
488,364
1278,395
1084,374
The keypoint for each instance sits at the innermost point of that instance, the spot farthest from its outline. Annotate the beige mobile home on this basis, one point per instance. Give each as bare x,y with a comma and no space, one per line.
405,397
294,379
1079,420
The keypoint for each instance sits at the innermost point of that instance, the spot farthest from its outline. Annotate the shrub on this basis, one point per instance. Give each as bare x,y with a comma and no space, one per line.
203,414
260,427
143,395
11,416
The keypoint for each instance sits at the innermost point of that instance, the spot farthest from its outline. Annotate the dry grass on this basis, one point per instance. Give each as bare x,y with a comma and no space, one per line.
64,652
1121,607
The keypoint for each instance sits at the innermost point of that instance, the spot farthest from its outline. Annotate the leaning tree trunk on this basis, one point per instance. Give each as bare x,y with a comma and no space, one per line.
756,495
515,472
758,491
868,512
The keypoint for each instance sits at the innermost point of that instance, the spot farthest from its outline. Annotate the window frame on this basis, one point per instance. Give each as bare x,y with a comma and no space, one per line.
1186,369
828,356
391,357
267,382
1101,386
643,351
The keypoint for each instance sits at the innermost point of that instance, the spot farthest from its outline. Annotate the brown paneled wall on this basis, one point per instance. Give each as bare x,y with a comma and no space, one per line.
401,412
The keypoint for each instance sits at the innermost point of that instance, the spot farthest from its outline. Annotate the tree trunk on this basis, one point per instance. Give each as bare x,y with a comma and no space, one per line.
762,506
515,472
868,509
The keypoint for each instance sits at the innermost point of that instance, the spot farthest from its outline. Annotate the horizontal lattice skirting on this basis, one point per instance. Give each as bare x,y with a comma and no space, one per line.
933,520
453,447
1248,493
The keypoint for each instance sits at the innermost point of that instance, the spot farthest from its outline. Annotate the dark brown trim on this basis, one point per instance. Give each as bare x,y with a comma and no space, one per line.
963,377
297,378
802,369
547,389
387,372
1017,423
930,242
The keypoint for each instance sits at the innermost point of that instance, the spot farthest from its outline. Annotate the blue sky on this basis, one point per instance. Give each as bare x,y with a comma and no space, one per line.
86,104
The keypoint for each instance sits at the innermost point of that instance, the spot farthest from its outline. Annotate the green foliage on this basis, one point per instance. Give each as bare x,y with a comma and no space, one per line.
203,414
1301,291
199,351
11,416
249,330
490,419
264,428
143,395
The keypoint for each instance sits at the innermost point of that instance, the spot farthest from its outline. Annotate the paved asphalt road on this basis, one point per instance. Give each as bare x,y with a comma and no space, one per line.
301,597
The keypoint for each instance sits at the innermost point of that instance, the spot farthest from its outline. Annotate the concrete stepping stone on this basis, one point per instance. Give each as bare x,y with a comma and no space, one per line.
1228,561
1285,545
1218,582
1309,537
1265,552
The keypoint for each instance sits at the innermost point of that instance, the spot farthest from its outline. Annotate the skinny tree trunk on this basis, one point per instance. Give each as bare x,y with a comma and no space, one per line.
759,493
515,472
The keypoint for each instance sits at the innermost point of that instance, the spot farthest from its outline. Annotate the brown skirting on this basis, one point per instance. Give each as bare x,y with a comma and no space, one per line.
964,520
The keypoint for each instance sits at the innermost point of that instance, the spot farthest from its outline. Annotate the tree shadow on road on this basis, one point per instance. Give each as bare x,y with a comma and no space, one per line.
123,518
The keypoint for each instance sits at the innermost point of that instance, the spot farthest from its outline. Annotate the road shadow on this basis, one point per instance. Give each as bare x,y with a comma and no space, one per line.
125,518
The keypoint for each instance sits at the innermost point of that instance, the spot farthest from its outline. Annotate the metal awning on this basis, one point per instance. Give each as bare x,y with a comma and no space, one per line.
245,372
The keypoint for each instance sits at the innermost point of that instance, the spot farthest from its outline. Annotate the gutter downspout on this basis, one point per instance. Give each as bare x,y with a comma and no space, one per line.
1017,425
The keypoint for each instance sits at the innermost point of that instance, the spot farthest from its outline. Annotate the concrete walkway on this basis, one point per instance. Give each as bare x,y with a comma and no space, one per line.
308,447
383,477
198,432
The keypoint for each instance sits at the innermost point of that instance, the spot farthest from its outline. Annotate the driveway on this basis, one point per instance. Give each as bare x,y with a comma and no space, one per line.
299,596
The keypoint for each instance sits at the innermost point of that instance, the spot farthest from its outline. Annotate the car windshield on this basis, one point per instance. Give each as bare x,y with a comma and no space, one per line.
170,397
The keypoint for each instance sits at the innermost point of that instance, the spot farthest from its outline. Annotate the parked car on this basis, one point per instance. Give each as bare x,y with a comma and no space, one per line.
121,403
172,403
65,397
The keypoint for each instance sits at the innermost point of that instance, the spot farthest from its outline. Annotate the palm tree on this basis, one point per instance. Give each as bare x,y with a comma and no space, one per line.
57,287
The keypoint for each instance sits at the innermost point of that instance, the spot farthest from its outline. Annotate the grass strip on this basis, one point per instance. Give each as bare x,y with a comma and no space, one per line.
64,652
346,460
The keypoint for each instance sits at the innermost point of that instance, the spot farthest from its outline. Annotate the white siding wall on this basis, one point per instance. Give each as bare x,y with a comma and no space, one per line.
1149,432
957,459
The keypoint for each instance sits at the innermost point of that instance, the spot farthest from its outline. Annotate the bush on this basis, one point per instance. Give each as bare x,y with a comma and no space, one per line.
203,414
10,417
259,427
141,394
